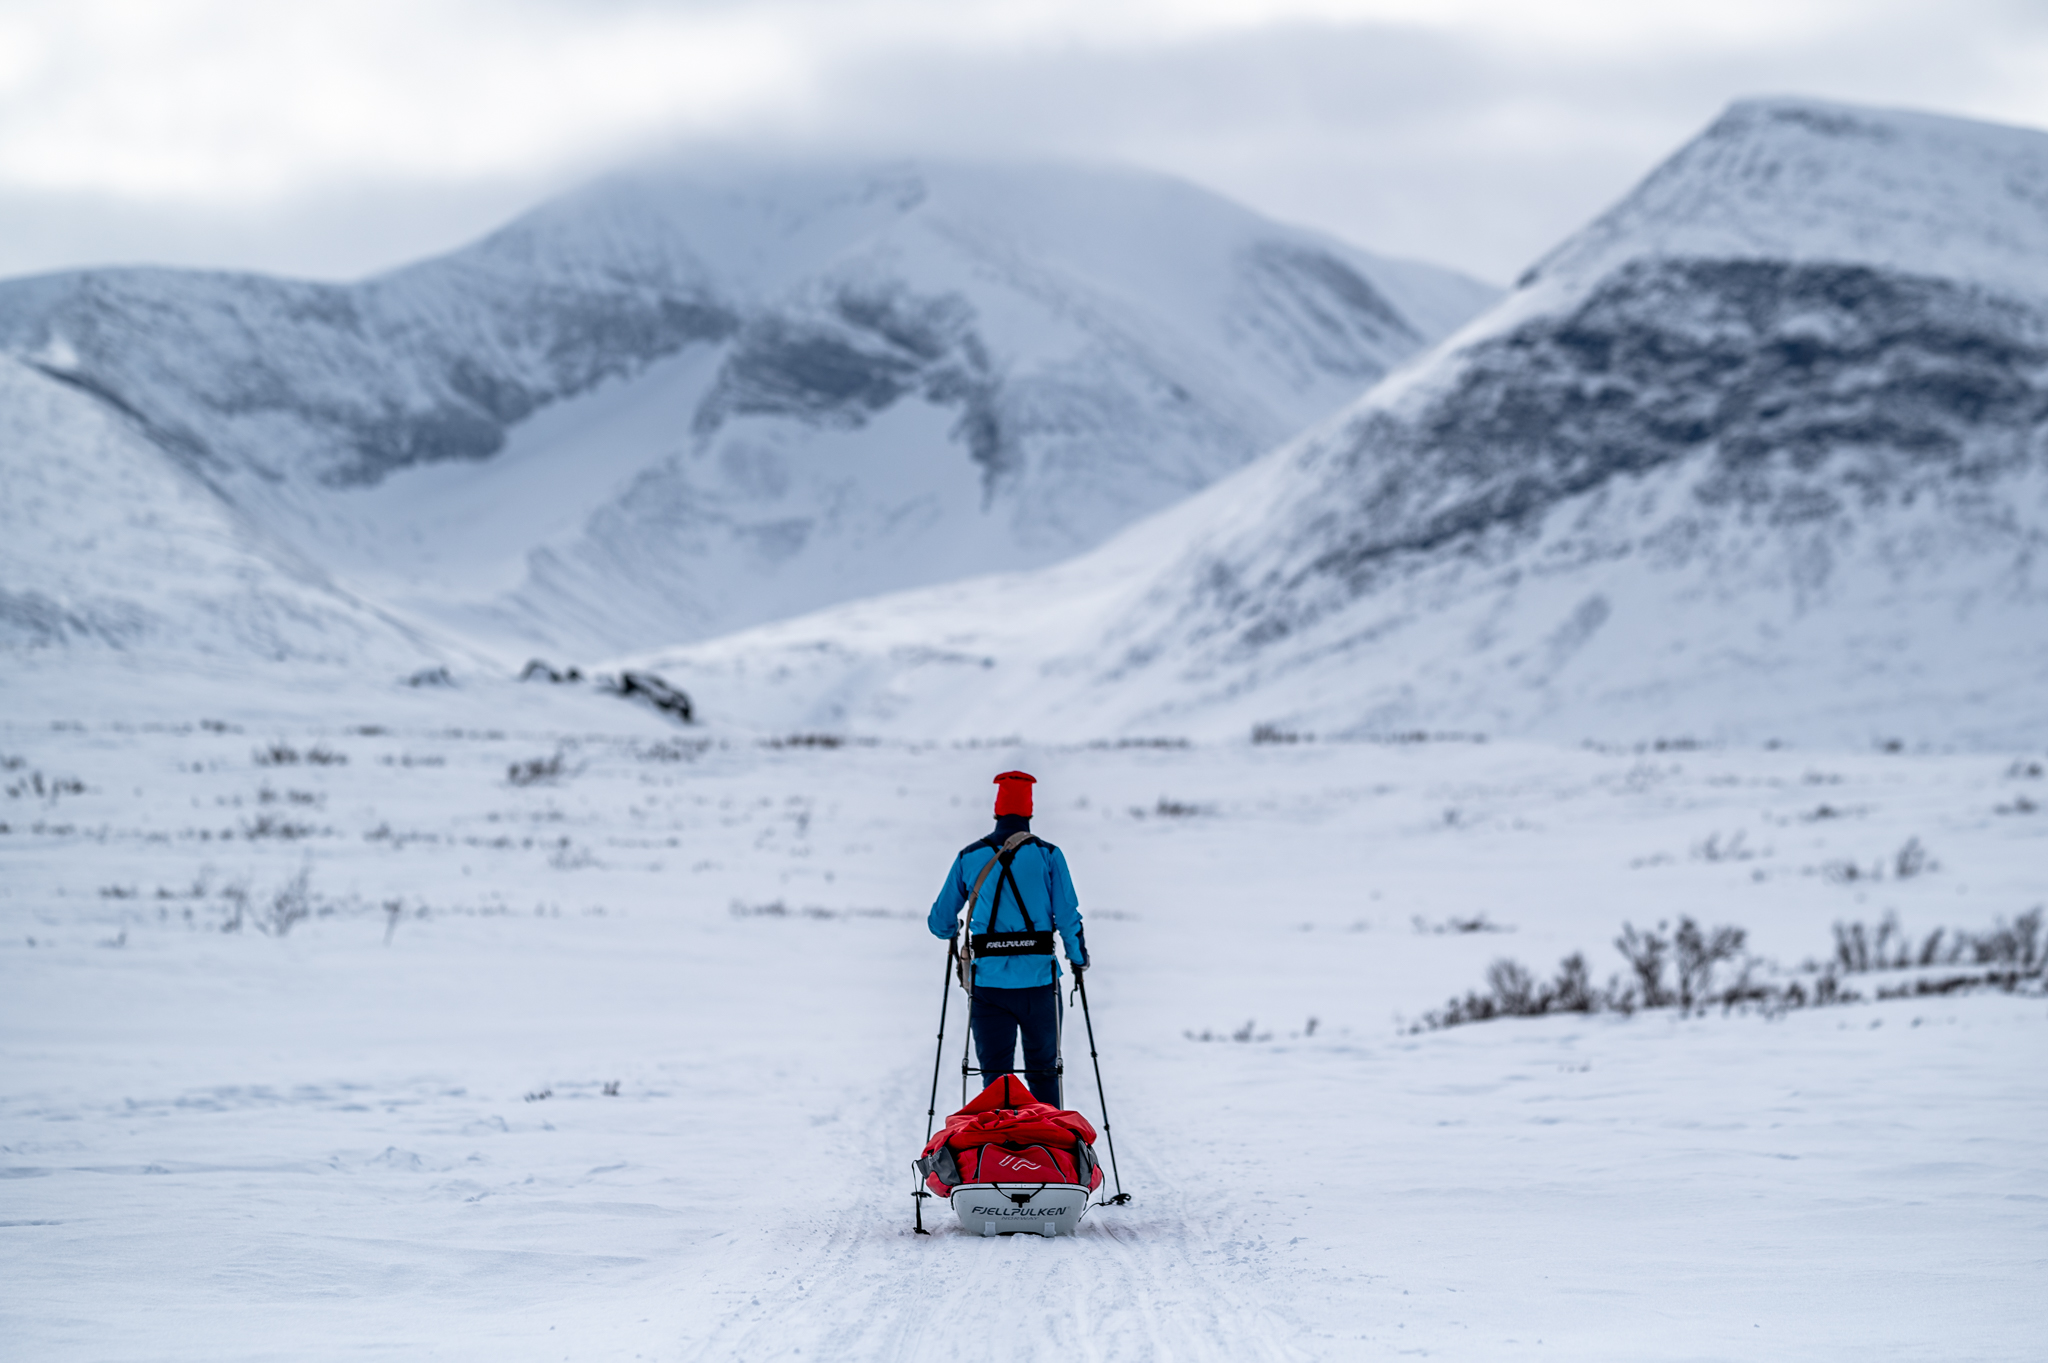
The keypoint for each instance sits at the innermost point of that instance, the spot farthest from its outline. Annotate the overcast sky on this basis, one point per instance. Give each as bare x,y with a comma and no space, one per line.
337,139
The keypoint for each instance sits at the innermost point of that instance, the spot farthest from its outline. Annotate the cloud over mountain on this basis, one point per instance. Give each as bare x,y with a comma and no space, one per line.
1763,449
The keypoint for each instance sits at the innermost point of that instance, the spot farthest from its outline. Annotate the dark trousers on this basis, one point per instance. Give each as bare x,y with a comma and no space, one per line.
998,1016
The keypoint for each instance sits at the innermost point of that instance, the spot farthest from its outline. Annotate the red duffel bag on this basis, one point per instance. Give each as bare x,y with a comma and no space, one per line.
1007,1136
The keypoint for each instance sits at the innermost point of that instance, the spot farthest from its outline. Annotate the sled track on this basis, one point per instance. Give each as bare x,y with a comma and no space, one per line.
850,1280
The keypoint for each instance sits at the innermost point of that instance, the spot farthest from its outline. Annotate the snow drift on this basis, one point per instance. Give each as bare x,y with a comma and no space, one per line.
1761,452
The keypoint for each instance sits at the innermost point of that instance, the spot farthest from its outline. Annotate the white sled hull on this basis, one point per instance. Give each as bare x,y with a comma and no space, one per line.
1020,1208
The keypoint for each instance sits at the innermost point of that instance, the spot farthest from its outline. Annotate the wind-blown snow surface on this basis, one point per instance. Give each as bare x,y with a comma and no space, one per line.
698,396
1763,451
323,1143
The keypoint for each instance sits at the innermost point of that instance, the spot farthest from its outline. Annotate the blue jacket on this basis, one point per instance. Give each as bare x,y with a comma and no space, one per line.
1039,871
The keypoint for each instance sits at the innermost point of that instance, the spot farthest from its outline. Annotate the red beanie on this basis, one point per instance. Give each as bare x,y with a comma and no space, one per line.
1013,793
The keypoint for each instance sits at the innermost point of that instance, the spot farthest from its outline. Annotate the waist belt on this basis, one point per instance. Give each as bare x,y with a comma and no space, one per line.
1012,943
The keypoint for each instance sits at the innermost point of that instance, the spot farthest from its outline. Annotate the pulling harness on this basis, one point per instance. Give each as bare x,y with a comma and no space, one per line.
1030,942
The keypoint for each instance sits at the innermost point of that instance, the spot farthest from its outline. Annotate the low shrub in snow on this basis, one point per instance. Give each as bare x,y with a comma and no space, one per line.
1121,744
1860,949
1735,847
273,826
778,909
1478,922
535,770
1694,968
1909,861
1273,733
677,750
1247,1033
282,754
807,739
37,786
274,913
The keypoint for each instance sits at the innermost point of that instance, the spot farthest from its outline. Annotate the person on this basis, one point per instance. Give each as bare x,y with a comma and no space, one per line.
1018,911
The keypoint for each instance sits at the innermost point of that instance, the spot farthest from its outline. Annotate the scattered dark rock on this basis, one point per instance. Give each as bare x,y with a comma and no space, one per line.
542,671
650,689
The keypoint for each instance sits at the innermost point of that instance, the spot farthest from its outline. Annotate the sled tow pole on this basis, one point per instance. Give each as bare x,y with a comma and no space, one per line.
931,1113
1081,985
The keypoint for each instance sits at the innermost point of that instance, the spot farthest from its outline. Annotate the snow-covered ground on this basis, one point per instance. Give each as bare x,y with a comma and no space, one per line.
385,1131
472,1019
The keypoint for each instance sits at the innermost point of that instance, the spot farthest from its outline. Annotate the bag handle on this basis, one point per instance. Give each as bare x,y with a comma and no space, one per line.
965,958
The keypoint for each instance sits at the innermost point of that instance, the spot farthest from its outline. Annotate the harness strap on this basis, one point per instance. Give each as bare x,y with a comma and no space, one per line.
995,941
1009,877
1003,854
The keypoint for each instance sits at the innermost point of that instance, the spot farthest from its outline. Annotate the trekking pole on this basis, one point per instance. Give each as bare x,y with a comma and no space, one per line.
931,1113
967,1035
1081,985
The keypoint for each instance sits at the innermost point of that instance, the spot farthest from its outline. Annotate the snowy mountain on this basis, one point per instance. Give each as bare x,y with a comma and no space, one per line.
699,396
106,542
1761,452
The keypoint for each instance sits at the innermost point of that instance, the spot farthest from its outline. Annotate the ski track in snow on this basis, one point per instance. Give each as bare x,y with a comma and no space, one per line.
1145,1281
230,1145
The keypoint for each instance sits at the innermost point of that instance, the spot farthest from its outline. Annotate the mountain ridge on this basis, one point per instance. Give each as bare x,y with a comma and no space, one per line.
809,377
1726,492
